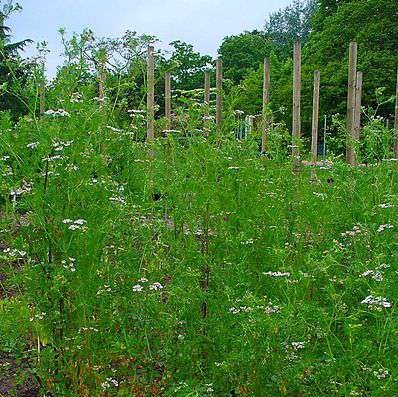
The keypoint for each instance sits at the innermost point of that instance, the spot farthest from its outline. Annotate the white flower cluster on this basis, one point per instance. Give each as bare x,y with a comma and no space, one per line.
240,309
298,345
384,227
153,287
156,286
143,280
320,195
57,113
113,129
172,131
181,385
14,253
381,373
39,316
373,274
53,158
101,100
76,97
386,205
78,224
87,329
106,288
108,383
69,266
209,388
118,200
292,349
352,233
377,303
32,145
247,242
72,167
134,112
24,189
138,288
277,274
61,145
271,309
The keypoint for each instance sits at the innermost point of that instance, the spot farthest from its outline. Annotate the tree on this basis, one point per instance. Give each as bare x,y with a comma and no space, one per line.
243,53
187,66
13,71
290,24
326,8
373,25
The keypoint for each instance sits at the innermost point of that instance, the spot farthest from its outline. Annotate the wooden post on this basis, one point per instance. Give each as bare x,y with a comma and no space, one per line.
396,122
266,95
352,74
357,113
167,98
219,79
296,132
251,125
150,94
207,88
315,117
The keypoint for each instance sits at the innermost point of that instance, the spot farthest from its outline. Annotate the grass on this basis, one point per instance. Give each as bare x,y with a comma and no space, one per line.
192,267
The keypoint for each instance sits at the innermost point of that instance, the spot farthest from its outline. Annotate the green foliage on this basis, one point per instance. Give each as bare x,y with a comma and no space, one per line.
13,71
243,53
290,24
256,294
372,24
187,66
194,265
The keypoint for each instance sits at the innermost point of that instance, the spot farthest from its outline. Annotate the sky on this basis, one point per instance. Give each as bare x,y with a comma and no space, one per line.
203,23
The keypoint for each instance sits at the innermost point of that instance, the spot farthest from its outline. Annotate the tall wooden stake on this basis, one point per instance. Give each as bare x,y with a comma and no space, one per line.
296,132
396,122
219,79
352,74
207,88
167,98
266,95
357,113
315,117
150,94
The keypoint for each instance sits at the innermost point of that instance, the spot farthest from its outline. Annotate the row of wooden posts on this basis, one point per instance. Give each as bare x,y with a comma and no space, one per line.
353,102
354,96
